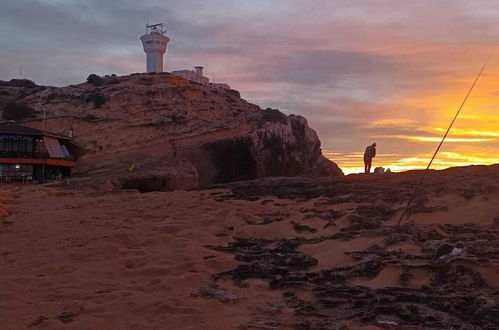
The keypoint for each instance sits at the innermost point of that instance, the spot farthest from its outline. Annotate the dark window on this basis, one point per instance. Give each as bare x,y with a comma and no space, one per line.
16,145
16,172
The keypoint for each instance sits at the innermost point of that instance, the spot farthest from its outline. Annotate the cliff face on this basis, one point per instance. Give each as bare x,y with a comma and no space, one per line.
178,133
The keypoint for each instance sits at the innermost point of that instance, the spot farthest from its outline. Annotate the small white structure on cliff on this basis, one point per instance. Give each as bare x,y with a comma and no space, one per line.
155,42
194,75
223,86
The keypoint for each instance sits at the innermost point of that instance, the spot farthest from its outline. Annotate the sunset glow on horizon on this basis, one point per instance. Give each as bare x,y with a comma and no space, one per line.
353,163
473,140
391,72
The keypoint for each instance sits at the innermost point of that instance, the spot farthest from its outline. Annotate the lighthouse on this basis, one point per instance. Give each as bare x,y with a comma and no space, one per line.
154,42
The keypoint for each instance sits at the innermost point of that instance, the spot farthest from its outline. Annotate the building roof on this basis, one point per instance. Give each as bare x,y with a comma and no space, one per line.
183,71
11,128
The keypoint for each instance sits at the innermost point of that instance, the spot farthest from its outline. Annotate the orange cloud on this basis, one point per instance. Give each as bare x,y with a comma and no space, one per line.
435,139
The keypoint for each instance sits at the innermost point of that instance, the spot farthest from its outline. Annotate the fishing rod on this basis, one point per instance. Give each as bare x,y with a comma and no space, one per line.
414,193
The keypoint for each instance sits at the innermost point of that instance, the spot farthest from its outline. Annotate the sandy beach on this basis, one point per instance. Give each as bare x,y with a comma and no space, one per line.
80,259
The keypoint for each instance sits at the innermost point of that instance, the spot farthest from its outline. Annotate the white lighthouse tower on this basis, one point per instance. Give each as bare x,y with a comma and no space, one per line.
154,42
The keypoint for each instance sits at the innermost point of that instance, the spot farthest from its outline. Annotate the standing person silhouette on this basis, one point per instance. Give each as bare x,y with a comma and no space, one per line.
368,157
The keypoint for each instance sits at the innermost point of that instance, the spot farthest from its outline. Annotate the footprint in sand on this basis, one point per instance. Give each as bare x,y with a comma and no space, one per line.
66,269
169,229
108,251
156,271
178,243
174,309
133,263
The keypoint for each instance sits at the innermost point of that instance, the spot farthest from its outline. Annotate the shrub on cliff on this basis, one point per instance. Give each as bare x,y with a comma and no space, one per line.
17,112
234,93
96,97
95,80
18,83
274,116
111,81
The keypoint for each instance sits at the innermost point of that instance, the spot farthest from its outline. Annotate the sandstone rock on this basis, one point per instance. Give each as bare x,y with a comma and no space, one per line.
172,176
203,135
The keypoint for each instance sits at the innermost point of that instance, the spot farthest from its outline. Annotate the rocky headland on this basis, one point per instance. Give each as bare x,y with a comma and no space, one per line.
162,132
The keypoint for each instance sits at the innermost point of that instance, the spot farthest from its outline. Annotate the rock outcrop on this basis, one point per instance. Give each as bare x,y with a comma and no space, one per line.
159,128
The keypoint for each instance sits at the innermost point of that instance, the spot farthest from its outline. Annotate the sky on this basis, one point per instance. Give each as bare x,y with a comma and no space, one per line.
361,71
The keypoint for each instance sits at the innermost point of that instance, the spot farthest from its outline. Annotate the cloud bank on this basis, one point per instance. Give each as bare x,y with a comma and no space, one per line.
386,70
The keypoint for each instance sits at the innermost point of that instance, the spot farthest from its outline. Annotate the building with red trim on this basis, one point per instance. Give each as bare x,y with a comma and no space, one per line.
31,155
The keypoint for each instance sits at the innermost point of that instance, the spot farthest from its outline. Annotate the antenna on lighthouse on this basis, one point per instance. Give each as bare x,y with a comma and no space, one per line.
160,27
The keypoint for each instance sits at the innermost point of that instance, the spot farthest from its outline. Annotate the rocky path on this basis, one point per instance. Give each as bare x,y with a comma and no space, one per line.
383,275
